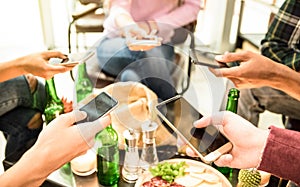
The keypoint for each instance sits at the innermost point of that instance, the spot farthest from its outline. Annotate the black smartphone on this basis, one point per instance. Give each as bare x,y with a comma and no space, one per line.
179,115
99,106
207,58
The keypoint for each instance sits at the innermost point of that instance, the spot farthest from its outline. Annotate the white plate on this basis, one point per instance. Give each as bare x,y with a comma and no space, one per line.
146,176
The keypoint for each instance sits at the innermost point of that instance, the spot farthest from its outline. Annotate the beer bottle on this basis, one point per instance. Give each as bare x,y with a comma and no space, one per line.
107,156
54,105
84,86
232,105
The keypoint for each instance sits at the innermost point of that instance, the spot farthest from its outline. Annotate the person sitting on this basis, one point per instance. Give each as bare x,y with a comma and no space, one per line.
266,150
129,20
22,100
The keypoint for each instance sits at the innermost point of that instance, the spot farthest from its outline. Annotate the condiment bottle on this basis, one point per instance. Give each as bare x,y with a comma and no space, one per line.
130,170
149,153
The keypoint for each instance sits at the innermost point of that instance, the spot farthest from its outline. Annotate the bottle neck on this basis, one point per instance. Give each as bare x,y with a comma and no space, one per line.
232,105
82,71
51,90
232,101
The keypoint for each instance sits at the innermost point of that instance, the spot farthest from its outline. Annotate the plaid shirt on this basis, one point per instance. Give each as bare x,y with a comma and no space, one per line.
282,41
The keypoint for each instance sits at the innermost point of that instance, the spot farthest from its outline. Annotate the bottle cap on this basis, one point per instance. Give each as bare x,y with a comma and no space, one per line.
233,92
149,129
131,138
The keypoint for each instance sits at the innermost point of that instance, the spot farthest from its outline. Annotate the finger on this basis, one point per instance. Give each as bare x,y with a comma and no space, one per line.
225,72
190,152
232,57
69,119
88,130
224,160
54,54
55,69
203,122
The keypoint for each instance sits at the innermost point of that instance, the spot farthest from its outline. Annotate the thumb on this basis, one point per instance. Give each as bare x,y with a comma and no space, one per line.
89,130
224,160
70,118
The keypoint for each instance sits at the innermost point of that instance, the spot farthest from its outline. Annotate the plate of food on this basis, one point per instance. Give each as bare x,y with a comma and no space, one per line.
182,173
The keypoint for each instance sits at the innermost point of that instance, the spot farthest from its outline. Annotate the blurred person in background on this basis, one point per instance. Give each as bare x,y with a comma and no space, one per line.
23,98
138,19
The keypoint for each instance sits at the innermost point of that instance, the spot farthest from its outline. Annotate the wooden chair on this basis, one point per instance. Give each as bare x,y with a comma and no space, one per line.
88,19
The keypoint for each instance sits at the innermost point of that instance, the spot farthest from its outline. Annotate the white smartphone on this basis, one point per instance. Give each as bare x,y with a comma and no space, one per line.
179,115
99,106
143,44
63,62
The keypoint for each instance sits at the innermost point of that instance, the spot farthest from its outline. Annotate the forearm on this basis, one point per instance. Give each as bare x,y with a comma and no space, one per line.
286,80
30,170
11,69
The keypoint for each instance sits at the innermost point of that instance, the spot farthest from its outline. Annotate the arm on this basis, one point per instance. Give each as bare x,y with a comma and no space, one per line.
281,43
58,143
256,71
286,146
36,64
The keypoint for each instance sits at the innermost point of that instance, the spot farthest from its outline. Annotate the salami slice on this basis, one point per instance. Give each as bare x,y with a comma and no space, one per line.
158,181
147,184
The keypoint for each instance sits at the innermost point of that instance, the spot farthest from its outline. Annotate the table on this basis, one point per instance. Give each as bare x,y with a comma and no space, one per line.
66,178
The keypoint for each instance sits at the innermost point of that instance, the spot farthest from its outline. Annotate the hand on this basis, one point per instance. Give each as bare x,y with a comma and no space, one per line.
248,141
254,71
58,143
134,31
66,140
37,64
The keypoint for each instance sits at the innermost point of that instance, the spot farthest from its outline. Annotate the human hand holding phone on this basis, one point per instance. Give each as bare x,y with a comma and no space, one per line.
248,141
208,143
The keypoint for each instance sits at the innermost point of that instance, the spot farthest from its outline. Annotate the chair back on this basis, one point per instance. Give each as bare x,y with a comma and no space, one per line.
85,2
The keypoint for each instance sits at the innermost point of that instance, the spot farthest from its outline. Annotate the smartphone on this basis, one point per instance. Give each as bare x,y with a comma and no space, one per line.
207,58
143,44
62,62
178,114
99,106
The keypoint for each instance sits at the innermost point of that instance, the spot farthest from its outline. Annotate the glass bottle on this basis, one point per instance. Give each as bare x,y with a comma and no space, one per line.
232,105
149,153
84,85
130,170
107,156
54,105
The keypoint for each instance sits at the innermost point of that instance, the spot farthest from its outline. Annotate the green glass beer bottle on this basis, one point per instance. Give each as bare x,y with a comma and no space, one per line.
54,106
232,105
83,84
108,169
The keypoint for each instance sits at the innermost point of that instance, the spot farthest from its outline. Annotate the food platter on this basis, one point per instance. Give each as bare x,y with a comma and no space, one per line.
197,174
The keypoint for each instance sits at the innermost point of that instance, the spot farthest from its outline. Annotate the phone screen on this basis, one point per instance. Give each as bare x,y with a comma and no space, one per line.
181,115
98,106
205,58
